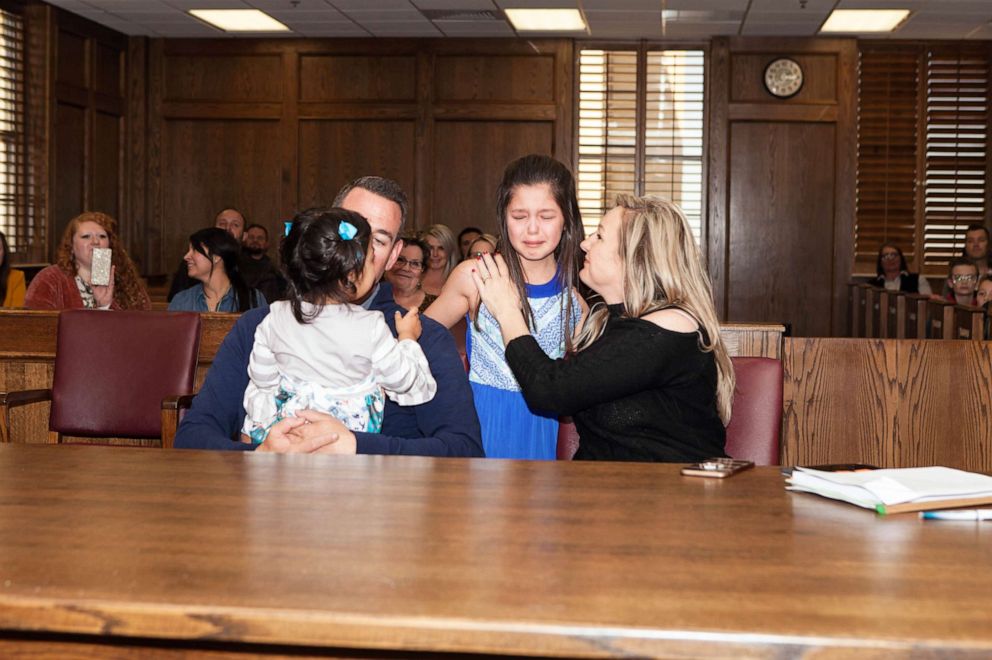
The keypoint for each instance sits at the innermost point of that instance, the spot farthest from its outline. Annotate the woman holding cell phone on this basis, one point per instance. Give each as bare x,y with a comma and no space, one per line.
80,277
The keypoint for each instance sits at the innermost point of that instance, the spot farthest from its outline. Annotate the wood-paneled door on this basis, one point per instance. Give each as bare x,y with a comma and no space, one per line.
782,177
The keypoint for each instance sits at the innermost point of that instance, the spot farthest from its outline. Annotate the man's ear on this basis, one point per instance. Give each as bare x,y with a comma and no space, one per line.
394,253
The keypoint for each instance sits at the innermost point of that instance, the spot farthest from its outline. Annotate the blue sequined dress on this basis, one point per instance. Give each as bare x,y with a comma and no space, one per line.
510,429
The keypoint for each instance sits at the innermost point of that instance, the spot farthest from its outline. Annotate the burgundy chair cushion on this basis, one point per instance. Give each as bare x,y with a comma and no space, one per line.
568,439
112,370
753,432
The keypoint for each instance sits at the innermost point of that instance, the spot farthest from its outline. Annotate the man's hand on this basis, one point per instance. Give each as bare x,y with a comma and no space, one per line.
327,431
283,439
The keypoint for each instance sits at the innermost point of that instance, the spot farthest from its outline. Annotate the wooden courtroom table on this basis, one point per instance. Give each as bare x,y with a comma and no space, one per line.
122,551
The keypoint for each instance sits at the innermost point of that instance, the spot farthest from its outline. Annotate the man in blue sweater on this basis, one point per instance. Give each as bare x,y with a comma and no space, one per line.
445,426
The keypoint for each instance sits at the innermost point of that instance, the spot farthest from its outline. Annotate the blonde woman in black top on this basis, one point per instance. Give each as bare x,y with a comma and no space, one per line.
650,379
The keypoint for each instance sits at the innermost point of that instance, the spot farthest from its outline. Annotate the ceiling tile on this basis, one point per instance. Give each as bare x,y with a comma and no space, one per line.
156,18
780,29
328,16
792,5
708,5
133,7
628,17
269,6
475,28
315,29
200,4
538,4
699,30
393,15
760,18
456,5
345,5
621,5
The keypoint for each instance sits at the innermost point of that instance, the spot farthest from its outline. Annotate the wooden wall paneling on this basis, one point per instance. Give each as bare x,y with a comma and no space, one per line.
565,71
944,412
470,157
845,183
135,160
72,56
717,198
383,107
208,164
106,178
333,152
223,78
820,80
88,122
517,79
753,134
422,207
158,255
368,77
837,401
780,215
289,156
69,169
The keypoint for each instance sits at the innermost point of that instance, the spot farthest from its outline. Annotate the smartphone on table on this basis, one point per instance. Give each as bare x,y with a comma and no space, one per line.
717,468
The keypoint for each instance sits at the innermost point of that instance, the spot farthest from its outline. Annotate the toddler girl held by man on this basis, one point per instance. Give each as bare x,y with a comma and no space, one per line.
319,351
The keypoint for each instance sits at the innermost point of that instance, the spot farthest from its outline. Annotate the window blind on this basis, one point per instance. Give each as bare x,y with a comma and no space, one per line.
923,141
640,115
15,209
956,149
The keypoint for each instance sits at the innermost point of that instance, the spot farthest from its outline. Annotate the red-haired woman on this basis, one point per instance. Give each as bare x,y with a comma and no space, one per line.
66,284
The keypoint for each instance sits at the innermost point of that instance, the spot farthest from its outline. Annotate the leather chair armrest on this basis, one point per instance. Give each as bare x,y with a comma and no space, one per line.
15,399
171,405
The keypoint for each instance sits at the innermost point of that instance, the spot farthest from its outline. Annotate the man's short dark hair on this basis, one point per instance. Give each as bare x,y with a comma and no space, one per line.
978,227
381,186
255,225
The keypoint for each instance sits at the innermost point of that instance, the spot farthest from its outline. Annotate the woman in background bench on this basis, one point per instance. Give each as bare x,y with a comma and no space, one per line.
893,272
66,283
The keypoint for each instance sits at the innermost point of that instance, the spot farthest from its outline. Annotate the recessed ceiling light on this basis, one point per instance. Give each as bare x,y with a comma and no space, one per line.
239,20
864,20
546,20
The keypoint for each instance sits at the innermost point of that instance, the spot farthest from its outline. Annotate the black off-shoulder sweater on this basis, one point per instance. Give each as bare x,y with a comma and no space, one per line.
638,393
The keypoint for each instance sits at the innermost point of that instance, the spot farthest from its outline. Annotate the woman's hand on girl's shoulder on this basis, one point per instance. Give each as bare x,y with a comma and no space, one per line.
672,319
457,296
499,293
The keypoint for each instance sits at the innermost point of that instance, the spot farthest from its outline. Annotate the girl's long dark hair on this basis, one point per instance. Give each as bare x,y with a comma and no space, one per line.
213,242
534,170
4,267
321,260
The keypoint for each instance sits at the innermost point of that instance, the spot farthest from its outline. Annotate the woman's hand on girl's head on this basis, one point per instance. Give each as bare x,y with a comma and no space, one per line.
104,295
408,325
498,292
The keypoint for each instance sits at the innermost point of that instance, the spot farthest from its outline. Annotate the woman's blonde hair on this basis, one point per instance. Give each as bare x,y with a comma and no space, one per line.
446,237
129,292
662,267
488,238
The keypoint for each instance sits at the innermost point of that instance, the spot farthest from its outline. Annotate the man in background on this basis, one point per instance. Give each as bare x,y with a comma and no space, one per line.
258,271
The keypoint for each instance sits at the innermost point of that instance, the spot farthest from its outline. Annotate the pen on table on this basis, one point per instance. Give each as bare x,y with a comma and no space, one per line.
957,514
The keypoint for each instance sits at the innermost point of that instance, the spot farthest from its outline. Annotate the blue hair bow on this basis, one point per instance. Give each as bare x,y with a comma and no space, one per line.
347,231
